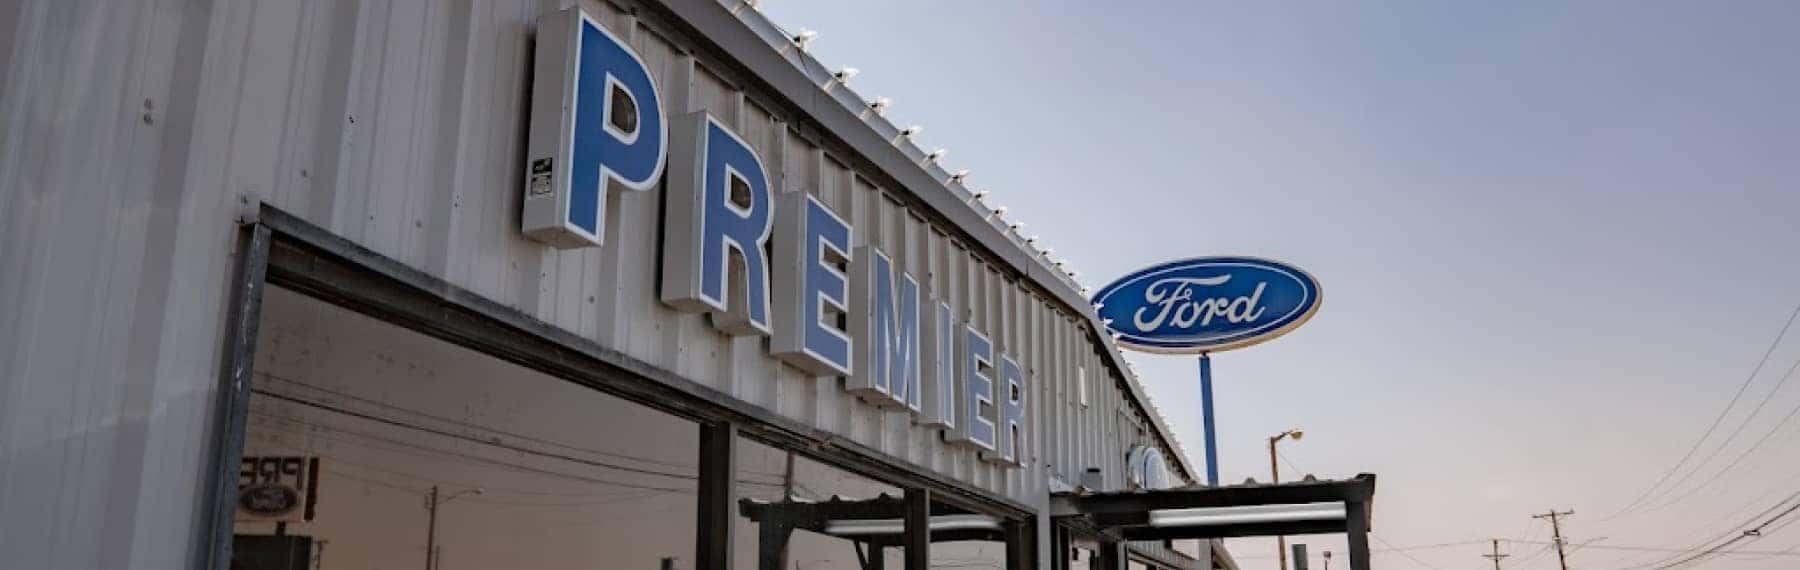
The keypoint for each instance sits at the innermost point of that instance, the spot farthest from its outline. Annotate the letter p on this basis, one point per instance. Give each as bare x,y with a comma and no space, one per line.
597,121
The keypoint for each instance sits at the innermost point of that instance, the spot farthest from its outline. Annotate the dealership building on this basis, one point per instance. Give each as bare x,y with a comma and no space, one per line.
534,284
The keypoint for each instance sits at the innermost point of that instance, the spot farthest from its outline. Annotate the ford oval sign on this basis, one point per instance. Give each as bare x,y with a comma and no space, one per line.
1207,304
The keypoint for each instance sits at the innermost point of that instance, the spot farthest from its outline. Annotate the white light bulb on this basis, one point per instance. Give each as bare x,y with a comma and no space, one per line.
804,37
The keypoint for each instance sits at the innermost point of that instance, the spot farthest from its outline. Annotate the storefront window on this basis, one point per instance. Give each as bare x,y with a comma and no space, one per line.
372,446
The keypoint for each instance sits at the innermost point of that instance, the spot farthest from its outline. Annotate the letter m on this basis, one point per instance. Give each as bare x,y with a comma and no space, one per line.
887,326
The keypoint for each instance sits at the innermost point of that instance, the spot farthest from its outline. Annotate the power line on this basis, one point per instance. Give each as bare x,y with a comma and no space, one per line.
1751,534
1660,549
1402,552
401,446
472,425
1745,507
618,498
1535,554
409,449
1742,455
1393,550
1734,529
469,438
413,449
1290,463
1670,561
1716,421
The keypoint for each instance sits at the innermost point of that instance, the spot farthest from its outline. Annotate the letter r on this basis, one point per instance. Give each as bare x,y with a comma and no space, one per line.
719,216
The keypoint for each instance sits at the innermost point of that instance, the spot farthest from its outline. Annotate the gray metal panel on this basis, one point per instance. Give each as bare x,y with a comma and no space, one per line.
400,125
115,250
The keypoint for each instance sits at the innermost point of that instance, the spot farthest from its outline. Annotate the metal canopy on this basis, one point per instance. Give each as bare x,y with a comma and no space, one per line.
1309,506
874,524
878,521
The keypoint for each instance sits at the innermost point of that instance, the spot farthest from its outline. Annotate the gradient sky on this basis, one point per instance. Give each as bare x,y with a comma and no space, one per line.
1553,238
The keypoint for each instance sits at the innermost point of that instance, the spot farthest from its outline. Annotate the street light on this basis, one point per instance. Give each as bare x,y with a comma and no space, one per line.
1275,475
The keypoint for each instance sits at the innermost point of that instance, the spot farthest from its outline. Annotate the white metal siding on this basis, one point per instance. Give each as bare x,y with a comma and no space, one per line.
132,129
117,236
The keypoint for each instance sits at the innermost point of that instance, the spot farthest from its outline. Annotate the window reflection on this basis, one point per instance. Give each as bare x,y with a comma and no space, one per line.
414,453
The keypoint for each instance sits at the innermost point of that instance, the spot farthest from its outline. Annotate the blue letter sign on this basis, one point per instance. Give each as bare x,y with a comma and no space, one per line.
598,123
887,319
978,397
719,216
1207,304
811,243
1011,401
598,126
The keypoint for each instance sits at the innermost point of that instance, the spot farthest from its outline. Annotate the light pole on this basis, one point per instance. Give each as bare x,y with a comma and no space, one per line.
431,504
1275,474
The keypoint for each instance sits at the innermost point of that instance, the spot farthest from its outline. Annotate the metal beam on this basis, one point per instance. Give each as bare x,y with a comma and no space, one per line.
1021,547
771,545
1357,489
813,515
1061,547
1358,535
717,497
1111,556
232,408
1234,530
917,538
877,558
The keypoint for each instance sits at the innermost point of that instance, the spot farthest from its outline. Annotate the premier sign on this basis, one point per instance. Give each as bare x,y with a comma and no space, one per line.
759,264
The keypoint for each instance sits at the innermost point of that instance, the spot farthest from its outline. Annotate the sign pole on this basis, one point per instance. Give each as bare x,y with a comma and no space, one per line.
1206,419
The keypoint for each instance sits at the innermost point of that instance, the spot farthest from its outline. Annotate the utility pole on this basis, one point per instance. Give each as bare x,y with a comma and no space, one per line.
1562,558
1496,556
1275,478
431,504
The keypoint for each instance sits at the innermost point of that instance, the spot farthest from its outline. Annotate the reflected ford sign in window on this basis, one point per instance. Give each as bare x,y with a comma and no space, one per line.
1207,304
758,265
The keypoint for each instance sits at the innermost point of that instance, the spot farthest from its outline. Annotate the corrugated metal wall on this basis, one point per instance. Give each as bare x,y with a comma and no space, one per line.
130,131
115,249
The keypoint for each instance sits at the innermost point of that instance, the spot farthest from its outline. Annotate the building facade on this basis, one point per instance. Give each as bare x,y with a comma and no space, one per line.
341,277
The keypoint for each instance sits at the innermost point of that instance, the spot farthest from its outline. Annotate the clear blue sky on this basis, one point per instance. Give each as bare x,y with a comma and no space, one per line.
1553,237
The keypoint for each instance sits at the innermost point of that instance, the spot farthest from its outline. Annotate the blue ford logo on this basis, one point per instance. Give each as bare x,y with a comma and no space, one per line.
1207,304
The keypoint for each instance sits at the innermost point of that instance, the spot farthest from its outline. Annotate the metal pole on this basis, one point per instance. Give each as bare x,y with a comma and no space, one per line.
1275,476
431,505
717,501
916,529
1206,420
1357,519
